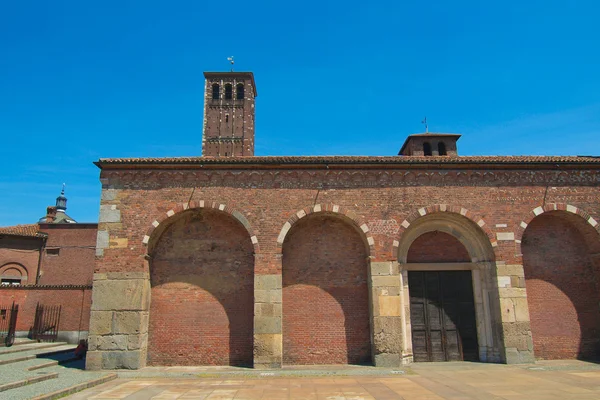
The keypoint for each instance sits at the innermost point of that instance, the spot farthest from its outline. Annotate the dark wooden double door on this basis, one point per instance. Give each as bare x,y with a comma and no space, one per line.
442,313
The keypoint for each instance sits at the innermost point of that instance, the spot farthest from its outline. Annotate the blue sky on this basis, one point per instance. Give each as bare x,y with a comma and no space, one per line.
84,80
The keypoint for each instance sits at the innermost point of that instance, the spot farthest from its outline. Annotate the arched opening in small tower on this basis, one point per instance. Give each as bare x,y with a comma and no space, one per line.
215,91
228,92
442,149
239,91
426,149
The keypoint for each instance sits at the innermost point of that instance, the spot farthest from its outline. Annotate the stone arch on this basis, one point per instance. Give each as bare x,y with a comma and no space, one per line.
180,207
356,221
560,247
201,265
471,232
325,260
13,270
548,208
472,239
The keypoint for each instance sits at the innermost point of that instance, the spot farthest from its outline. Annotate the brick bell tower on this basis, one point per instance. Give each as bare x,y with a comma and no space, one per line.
228,114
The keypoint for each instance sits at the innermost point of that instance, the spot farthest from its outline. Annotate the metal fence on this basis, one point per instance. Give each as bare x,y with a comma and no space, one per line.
45,324
8,323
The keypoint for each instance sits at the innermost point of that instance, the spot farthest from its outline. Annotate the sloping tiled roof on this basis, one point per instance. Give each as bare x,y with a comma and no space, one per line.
30,230
390,160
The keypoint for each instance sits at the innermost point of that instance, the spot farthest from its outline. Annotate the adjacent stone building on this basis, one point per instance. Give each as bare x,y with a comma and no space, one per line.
233,259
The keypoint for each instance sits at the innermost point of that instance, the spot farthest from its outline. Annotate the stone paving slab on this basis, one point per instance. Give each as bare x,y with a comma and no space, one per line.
70,378
573,380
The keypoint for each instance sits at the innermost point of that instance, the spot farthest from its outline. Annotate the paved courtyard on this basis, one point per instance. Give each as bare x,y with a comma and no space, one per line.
428,381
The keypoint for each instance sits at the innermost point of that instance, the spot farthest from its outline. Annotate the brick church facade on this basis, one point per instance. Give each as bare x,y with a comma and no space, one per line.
233,259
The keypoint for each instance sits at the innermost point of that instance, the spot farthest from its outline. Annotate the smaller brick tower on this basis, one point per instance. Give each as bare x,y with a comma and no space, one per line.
228,114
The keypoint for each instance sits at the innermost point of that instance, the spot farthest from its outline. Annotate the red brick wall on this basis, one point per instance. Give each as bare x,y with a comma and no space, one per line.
202,292
74,265
267,196
325,295
75,303
23,251
437,247
561,287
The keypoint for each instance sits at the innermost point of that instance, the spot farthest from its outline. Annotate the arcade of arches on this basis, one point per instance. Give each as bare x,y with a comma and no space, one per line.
332,303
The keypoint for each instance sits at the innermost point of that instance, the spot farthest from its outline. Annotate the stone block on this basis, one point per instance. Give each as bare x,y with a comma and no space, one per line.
93,360
131,359
511,292
102,240
387,335
127,322
108,195
389,306
516,270
517,329
267,282
378,281
109,213
121,295
514,356
268,347
380,268
100,276
521,309
118,243
518,342
270,325
508,310
388,360
387,291
101,322
136,342
110,342
261,296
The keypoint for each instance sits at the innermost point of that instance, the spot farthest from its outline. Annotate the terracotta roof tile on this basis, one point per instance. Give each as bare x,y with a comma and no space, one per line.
30,230
397,160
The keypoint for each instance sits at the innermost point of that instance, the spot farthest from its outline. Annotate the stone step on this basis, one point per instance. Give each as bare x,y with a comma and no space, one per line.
30,354
29,346
20,378
70,380
18,342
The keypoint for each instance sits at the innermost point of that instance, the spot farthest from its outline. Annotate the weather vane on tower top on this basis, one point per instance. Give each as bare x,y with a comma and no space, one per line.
230,59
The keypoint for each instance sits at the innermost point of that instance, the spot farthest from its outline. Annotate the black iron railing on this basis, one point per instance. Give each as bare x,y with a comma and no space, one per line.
8,323
45,324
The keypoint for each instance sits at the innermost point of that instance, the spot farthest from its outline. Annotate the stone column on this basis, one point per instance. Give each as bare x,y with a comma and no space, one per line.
386,323
518,341
268,337
118,336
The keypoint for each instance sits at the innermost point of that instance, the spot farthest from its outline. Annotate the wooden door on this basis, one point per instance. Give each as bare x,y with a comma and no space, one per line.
442,313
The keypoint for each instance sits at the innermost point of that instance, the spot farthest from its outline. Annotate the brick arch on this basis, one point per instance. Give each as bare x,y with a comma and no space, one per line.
181,207
16,266
444,208
335,209
552,207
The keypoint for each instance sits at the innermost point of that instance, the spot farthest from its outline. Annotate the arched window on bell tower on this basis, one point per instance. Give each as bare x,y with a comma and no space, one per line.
215,91
426,149
239,89
442,149
228,91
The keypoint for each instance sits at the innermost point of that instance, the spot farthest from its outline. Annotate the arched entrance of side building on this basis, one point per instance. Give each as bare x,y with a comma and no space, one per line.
560,259
202,282
448,271
325,292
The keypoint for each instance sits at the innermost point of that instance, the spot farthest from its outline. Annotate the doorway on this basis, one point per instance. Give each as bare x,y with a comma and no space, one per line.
442,311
